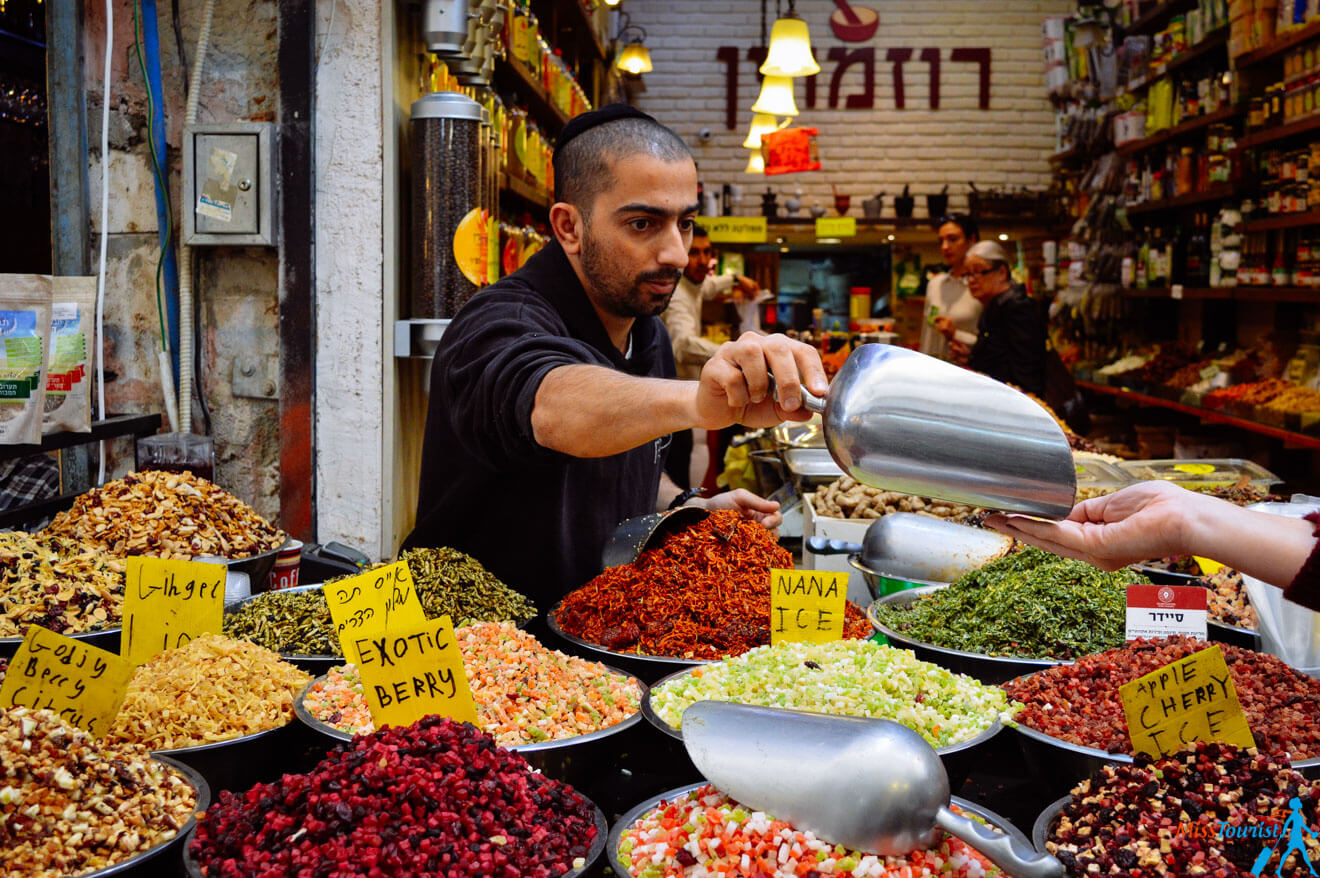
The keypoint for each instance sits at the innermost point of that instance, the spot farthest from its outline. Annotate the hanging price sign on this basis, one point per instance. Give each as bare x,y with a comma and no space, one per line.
382,599
85,685
807,606
168,603
407,675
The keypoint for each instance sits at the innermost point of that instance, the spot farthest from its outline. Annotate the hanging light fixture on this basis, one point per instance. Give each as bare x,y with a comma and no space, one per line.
776,97
762,123
633,57
790,48
611,2
755,163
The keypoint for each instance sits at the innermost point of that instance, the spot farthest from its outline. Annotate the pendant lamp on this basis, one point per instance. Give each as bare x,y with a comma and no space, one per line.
755,163
790,48
762,123
633,57
776,97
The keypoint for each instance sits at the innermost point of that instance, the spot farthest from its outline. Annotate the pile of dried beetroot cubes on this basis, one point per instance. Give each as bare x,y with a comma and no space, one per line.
436,797
1214,810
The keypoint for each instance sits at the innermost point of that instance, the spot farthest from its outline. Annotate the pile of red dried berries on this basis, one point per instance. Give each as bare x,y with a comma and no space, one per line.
1080,703
433,798
1209,811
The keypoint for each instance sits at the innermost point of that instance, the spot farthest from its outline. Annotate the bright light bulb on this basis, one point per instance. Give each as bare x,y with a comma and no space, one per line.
755,163
776,97
762,123
790,50
634,59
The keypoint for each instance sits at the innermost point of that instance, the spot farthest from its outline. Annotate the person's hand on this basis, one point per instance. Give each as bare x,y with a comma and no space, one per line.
745,289
734,387
758,509
944,326
959,352
1139,523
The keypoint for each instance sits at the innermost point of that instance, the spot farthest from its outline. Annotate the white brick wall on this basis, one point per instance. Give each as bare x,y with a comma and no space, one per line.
865,151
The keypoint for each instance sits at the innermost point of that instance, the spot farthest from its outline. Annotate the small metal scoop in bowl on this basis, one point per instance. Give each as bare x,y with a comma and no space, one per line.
913,546
902,421
869,784
635,535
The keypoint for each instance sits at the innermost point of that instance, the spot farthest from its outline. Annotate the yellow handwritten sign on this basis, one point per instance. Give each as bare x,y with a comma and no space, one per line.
1192,699
735,229
85,685
409,674
807,606
836,227
168,603
382,599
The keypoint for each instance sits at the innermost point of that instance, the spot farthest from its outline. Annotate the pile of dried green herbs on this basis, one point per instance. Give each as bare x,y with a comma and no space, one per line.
448,582
1031,604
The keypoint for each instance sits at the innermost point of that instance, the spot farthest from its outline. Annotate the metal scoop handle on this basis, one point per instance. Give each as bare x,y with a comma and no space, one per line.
810,401
823,546
1003,850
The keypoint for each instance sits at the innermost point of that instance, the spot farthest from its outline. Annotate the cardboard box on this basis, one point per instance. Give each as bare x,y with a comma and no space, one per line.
852,530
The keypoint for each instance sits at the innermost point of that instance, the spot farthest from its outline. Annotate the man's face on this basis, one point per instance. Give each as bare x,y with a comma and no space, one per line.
699,256
635,243
953,245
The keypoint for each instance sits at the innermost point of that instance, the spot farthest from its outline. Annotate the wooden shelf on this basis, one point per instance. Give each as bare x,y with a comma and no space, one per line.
1191,199
1282,132
534,195
1283,221
1298,440
578,18
1190,126
112,427
1211,43
1158,16
1238,294
511,74
1280,44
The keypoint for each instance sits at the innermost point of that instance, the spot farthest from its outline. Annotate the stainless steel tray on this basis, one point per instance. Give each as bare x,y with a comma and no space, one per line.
627,820
986,668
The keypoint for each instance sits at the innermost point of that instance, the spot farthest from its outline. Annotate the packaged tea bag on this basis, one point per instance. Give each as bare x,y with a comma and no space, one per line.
68,406
24,328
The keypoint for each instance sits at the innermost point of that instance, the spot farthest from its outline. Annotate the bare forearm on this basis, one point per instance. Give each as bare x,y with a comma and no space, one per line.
593,411
1269,547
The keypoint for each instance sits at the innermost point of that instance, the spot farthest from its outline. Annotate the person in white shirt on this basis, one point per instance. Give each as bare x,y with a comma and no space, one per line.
683,320
948,330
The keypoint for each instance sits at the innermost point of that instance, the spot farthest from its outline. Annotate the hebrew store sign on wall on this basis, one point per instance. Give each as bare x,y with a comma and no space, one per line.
851,31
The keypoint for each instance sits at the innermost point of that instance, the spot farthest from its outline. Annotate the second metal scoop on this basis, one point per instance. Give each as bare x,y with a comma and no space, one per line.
919,547
869,784
902,421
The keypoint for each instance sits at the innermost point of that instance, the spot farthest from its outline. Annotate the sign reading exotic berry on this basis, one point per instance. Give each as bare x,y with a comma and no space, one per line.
409,674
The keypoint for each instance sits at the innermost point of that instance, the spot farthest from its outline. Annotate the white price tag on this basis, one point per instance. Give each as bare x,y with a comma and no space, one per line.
1165,610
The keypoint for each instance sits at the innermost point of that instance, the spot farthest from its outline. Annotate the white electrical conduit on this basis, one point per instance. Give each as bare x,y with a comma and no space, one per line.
186,326
105,231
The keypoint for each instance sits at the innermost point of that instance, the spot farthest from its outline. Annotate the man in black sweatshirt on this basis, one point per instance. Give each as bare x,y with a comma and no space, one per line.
553,392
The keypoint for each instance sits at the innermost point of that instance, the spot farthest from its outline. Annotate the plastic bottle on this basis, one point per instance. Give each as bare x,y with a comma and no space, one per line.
1143,261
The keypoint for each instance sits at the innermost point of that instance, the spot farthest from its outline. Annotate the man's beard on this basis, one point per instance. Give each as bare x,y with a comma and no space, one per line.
616,292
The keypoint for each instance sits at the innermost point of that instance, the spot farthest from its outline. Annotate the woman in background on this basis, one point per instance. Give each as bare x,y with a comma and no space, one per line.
948,328
1010,344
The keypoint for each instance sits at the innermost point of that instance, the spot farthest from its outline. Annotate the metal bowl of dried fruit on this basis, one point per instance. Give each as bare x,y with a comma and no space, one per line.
238,763
163,859
105,638
986,668
621,863
647,668
289,641
1040,830
588,867
577,760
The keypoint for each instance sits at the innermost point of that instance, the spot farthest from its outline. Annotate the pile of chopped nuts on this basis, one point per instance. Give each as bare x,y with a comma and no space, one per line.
71,804
845,497
167,515
57,583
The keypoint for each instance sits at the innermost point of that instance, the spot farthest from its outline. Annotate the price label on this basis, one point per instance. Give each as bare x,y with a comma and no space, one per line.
1192,699
807,606
1165,610
1195,469
735,229
836,227
168,603
409,674
83,684
380,600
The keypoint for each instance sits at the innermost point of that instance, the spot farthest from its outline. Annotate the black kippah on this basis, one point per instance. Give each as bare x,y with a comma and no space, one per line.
586,121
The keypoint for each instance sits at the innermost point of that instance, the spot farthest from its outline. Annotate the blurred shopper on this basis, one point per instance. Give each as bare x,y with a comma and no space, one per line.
683,320
1010,344
948,329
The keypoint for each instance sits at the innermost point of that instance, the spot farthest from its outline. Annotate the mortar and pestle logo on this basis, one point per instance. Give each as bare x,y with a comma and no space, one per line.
853,24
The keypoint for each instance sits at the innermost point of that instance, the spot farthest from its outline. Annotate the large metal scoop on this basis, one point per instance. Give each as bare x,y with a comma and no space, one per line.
902,421
869,784
913,546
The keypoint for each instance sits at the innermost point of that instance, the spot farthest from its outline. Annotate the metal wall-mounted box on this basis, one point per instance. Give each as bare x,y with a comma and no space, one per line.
229,184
